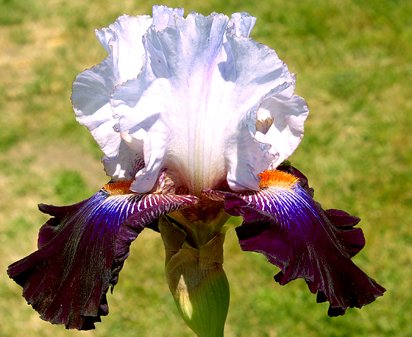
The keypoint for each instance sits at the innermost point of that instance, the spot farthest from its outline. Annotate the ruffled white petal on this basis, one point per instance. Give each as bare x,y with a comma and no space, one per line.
209,104
91,102
164,16
284,135
211,82
241,24
93,88
123,41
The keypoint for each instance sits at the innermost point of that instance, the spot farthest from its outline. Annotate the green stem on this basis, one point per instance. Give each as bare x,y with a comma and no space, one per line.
197,280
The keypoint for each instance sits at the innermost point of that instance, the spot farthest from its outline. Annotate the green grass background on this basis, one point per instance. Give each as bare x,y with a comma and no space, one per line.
354,68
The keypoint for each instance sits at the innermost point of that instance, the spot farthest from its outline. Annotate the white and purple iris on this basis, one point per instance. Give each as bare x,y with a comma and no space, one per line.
196,120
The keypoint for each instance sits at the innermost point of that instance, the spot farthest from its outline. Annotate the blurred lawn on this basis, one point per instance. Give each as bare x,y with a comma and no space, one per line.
354,67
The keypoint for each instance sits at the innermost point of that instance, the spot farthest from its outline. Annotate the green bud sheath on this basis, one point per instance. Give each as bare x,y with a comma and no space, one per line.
197,280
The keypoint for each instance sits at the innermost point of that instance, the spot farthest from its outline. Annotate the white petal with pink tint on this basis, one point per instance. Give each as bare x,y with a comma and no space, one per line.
195,96
211,80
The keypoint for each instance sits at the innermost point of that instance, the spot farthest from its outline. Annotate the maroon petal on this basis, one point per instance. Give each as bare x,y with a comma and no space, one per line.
286,225
352,238
81,251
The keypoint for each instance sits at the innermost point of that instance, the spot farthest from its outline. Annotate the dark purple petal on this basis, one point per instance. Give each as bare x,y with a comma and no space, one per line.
295,234
351,238
150,209
81,251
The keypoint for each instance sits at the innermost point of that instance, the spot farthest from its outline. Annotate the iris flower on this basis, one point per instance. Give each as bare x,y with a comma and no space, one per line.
196,121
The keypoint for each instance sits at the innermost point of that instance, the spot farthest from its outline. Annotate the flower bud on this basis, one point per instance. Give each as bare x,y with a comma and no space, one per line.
196,280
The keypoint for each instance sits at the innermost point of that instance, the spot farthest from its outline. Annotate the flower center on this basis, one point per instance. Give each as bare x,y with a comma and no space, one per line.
202,221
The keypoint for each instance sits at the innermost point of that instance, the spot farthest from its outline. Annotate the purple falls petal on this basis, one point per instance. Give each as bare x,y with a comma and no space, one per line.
151,207
351,238
81,251
295,234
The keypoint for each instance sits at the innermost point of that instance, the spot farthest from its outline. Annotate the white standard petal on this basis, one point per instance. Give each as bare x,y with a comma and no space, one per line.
164,16
93,88
288,114
241,24
200,113
123,41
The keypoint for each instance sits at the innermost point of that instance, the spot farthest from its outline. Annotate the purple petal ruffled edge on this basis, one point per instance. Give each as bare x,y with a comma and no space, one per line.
81,251
304,241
